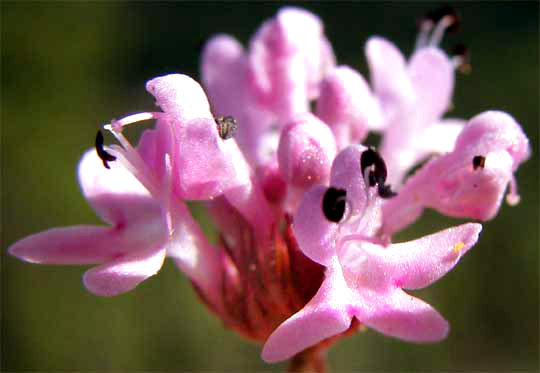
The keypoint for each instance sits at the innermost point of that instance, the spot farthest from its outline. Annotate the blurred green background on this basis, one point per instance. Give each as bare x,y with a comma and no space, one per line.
69,67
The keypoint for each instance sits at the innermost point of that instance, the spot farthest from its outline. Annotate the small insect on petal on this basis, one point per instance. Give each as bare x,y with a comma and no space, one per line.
334,204
105,157
226,127
478,161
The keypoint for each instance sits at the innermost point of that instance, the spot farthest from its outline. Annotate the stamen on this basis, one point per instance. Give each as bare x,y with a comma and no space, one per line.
140,175
478,161
226,127
371,178
105,157
134,118
385,191
513,198
166,195
461,58
131,157
445,19
334,203
378,175
371,158
425,26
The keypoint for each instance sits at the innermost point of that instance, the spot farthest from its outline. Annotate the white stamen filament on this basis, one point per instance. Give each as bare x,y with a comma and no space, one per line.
134,118
460,64
131,157
121,157
440,28
166,193
422,39
513,198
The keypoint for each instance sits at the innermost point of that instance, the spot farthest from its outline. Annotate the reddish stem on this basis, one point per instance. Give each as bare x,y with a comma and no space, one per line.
310,360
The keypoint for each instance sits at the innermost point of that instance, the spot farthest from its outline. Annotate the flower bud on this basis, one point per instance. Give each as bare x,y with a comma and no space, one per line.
306,150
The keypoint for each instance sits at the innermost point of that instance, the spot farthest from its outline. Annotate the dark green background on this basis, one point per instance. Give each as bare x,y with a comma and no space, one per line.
68,67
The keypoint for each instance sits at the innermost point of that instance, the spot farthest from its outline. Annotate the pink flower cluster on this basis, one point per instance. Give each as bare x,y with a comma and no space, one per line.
306,214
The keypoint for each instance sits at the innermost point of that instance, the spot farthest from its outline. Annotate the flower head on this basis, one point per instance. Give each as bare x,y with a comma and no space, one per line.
306,215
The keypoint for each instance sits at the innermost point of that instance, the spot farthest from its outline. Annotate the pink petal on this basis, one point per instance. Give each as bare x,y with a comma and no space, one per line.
287,57
191,251
417,264
314,233
224,73
81,244
401,211
221,54
244,192
305,31
441,137
116,195
125,273
389,75
453,185
180,96
347,174
323,317
432,77
398,314
347,106
203,166
493,130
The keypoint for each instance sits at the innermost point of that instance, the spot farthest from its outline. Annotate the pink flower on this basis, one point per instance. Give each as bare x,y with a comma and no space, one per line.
469,181
336,227
130,250
413,97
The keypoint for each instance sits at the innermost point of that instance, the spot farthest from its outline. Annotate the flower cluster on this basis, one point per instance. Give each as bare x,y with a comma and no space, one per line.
306,214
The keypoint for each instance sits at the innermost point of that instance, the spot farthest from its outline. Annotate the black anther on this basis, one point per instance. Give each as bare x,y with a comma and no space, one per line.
334,204
105,157
377,176
478,161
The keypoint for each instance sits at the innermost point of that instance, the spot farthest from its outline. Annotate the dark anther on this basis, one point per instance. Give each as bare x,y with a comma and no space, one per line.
334,204
385,191
371,178
105,157
371,158
445,11
226,127
377,176
462,52
478,161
